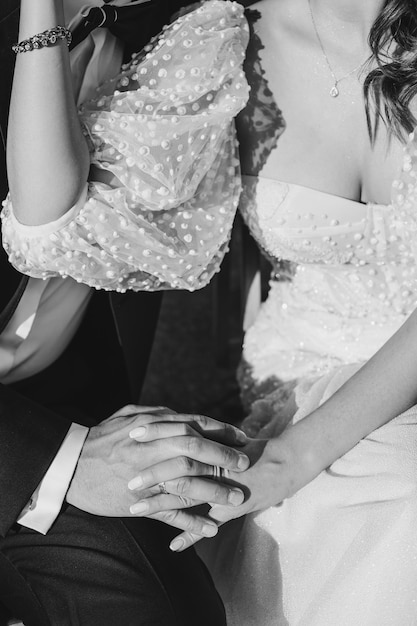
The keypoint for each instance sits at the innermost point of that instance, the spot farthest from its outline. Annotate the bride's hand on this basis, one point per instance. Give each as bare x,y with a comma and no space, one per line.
270,479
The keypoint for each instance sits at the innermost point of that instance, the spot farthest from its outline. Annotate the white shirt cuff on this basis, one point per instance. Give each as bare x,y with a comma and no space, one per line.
46,501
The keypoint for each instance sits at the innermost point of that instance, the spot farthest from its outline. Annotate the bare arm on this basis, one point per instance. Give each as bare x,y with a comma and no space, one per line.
47,155
383,388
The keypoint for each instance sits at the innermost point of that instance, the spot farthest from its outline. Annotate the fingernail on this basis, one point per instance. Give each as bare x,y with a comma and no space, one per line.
138,433
235,497
139,507
177,544
243,462
241,436
209,531
135,483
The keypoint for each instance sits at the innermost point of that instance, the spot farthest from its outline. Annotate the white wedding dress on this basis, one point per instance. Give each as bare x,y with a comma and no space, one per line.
343,550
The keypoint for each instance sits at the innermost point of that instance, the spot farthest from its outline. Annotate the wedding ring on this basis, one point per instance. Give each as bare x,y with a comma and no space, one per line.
217,472
162,488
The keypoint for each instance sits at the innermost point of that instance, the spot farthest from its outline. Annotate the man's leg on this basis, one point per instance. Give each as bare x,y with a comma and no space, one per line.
91,571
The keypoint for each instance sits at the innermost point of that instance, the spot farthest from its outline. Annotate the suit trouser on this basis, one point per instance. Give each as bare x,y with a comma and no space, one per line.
91,570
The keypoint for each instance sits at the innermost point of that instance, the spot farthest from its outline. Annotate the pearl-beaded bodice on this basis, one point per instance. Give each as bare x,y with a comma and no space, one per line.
350,285
305,225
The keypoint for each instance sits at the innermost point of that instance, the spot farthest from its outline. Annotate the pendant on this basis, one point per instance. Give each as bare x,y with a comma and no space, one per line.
334,92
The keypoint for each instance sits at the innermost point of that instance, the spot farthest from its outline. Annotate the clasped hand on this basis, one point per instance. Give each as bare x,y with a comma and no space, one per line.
271,477
128,455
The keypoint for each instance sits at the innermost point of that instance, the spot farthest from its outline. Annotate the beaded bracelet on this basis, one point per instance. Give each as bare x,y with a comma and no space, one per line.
43,40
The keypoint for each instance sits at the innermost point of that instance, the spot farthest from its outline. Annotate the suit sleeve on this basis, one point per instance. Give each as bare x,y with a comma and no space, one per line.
30,437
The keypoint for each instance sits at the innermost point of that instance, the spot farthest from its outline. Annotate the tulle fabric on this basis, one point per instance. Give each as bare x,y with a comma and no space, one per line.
164,129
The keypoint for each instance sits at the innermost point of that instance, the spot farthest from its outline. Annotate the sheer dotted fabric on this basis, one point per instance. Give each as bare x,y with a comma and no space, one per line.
164,129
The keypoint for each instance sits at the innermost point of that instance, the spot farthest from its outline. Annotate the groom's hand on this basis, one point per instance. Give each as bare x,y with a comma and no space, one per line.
127,445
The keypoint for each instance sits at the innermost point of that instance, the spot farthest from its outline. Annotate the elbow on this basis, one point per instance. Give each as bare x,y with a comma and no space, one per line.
39,200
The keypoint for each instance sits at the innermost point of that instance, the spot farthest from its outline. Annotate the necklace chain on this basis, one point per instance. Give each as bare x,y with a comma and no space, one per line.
334,91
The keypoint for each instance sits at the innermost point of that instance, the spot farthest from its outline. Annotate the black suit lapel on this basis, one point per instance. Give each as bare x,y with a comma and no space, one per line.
136,317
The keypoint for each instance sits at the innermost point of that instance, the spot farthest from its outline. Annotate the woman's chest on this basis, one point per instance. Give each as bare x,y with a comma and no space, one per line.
300,133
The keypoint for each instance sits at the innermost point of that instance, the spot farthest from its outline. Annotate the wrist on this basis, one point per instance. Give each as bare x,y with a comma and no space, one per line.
300,452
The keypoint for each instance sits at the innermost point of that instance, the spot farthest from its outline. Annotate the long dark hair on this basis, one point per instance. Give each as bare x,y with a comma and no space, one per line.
391,86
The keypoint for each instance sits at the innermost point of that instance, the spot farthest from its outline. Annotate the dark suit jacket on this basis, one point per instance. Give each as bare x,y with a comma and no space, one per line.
104,366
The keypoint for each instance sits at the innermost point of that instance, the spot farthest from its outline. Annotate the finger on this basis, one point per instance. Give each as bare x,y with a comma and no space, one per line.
156,429
183,541
207,426
190,522
187,539
175,468
131,410
162,502
154,410
200,449
205,490
201,489
209,452
218,431
222,514
180,478
168,470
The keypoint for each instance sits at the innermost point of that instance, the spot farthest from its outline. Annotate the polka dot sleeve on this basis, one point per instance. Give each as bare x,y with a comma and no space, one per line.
163,131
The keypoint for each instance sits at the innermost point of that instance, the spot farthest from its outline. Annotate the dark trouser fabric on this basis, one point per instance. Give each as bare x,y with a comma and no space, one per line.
96,571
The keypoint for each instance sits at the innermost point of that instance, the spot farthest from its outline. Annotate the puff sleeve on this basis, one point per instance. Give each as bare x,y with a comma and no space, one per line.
163,130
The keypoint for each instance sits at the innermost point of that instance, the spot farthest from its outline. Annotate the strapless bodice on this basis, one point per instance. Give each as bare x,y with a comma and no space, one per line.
350,283
306,225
